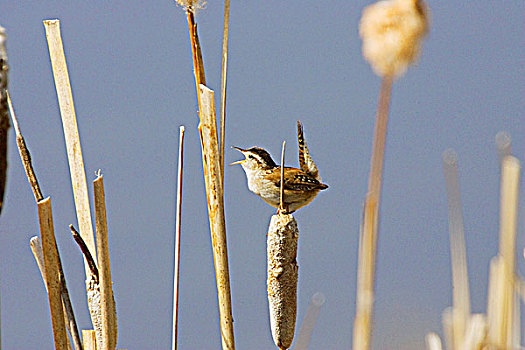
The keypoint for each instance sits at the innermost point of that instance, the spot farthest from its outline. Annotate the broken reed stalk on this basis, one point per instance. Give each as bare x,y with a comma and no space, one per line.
52,273
69,316
501,302
4,117
369,232
25,156
224,76
215,200
178,222
433,342
461,295
283,272
69,123
307,327
107,301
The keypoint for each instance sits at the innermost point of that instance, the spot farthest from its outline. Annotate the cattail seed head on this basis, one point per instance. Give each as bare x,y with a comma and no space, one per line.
191,4
392,32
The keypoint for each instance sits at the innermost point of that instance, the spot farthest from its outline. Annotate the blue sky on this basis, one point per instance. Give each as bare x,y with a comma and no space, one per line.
132,77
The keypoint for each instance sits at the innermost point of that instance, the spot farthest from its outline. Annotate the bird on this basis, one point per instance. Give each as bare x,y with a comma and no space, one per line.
264,179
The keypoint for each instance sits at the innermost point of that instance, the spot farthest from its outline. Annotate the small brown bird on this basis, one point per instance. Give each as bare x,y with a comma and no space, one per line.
264,179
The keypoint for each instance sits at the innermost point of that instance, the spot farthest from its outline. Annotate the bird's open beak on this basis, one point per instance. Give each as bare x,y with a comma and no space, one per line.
239,161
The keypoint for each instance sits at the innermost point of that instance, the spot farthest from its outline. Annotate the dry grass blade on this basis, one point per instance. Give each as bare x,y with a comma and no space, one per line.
90,340
107,301
224,79
52,273
305,333
215,199
461,295
69,123
4,114
178,222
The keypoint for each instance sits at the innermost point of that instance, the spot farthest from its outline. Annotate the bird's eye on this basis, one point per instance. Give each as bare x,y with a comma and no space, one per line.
251,157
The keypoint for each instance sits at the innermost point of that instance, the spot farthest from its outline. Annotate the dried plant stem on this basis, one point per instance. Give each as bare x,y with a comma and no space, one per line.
502,274
93,269
224,76
107,301
368,236
281,189
90,339
178,222
198,64
52,273
4,117
305,333
69,123
461,295
215,199
25,156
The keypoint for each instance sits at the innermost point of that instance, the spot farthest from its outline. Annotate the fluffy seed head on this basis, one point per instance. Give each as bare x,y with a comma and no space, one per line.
392,32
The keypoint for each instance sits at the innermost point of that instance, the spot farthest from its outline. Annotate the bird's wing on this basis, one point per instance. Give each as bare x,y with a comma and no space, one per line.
298,180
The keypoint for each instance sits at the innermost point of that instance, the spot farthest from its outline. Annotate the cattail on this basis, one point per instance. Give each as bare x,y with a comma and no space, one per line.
392,31
282,277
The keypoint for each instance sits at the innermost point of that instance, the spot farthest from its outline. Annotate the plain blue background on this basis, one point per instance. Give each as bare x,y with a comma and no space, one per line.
132,76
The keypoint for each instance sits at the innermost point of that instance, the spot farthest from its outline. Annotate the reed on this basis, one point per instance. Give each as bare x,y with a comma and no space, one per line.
178,223
461,295
69,123
25,156
392,32
107,302
307,327
50,251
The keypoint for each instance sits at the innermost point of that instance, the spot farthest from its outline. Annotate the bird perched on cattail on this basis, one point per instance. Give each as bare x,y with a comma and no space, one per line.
301,186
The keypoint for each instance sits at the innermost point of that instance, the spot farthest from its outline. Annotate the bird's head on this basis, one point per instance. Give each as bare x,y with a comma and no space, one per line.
255,158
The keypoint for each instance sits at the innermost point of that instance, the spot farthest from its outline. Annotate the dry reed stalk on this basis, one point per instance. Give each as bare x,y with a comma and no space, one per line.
433,342
69,123
307,327
107,301
475,332
215,200
369,231
90,340
52,273
36,248
25,156
4,115
461,295
501,316
392,32
224,76
178,223
503,145
283,273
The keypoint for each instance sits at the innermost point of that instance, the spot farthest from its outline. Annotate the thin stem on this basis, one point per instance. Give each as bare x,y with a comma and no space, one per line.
85,250
25,156
178,222
369,232
281,192
224,76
